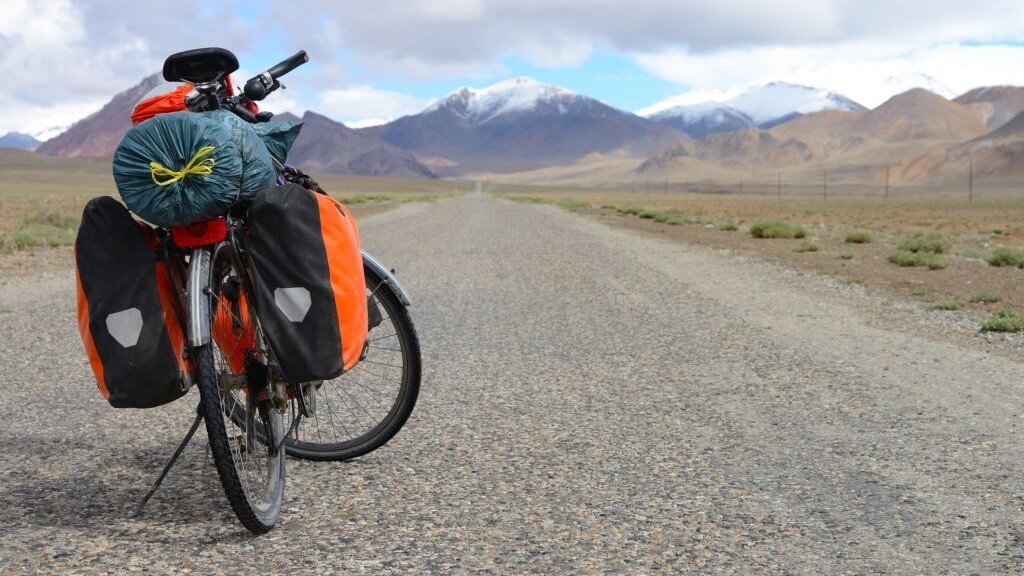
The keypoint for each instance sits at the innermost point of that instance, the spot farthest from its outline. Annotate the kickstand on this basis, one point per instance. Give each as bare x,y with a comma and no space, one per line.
167,467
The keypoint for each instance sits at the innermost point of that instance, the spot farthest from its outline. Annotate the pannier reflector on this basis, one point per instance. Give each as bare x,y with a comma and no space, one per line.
293,302
125,326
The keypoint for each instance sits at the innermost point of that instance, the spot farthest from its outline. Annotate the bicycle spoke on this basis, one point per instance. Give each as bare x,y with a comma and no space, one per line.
380,363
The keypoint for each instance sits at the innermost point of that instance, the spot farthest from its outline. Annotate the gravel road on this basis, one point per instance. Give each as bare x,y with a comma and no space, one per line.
594,401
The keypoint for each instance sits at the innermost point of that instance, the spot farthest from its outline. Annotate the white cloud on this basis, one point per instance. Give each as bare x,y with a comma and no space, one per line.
43,122
367,122
449,10
56,55
460,36
360,104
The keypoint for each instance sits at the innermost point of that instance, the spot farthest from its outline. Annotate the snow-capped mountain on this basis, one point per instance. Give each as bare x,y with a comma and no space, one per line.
903,83
519,94
48,132
521,124
764,106
698,120
769,104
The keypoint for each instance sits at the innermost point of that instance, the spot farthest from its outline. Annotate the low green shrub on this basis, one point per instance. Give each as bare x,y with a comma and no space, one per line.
986,298
926,241
1006,256
572,203
729,226
776,229
858,237
806,246
909,259
40,229
1004,321
949,305
673,217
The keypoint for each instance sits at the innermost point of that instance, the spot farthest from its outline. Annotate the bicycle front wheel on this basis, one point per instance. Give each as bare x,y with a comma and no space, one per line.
244,429
364,408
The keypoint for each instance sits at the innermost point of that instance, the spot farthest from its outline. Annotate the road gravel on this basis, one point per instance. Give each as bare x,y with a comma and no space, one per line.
595,401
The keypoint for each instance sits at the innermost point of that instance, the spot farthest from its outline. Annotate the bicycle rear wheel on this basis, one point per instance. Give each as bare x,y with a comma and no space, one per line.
364,408
244,428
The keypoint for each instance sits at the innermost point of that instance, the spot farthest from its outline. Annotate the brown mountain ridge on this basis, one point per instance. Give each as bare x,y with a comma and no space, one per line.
323,145
99,133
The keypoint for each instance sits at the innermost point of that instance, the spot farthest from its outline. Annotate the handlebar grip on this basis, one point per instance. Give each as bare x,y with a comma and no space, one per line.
285,66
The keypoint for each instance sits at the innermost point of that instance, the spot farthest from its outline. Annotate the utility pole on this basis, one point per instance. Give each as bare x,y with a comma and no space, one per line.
886,181
970,183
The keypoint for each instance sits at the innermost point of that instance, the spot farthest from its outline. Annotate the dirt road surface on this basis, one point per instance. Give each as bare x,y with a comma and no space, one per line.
594,401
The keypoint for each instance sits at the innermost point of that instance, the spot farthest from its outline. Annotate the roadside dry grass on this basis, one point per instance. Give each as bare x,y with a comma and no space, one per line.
999,217
41,198
942,243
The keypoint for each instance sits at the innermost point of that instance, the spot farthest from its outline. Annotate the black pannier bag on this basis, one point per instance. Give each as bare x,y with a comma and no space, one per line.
126,310
309,283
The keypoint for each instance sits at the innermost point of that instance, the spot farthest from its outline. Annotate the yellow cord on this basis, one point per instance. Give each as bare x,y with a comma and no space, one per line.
164,176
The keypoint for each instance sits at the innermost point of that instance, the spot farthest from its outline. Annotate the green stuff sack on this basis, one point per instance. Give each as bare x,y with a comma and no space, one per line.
178,168
258,170
278,136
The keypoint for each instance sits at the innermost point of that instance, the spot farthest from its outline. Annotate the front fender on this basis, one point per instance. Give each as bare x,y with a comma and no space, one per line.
380,270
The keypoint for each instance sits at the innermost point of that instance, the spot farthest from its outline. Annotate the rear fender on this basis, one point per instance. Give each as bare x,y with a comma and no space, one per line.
197,297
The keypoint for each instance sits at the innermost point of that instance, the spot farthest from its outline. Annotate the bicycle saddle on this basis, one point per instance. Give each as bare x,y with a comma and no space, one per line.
199,66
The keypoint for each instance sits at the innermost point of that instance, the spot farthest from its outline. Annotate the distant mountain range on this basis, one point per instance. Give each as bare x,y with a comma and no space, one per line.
919,135
19,141
758,107
524,129
324,145
521,124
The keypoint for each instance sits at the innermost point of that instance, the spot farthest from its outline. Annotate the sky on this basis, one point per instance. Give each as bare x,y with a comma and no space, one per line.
375,60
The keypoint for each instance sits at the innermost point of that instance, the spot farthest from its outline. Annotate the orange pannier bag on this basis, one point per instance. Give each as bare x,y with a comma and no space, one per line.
308,282
128,313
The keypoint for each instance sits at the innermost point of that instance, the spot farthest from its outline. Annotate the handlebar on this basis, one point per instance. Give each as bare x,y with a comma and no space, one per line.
258,87
285,66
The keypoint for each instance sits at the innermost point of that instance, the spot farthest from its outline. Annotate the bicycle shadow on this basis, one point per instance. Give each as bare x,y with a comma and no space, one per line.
85,484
